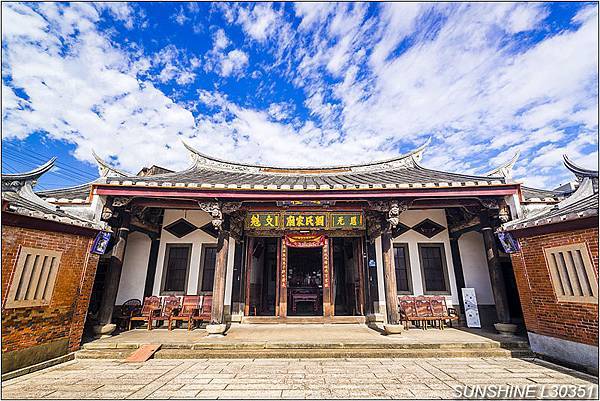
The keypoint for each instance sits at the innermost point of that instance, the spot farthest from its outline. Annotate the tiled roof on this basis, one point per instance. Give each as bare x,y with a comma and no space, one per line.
540,195
581,204
585,207
17,192
76,194
402,172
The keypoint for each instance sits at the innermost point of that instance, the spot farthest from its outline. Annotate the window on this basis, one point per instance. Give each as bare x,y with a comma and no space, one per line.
433,268
209,260
176,268
33,279
401,261
572,273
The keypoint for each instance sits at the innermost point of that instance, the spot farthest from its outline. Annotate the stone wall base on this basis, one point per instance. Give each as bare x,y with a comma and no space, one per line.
14,360
580,355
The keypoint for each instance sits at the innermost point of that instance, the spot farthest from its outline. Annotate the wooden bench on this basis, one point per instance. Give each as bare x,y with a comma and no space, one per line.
424,309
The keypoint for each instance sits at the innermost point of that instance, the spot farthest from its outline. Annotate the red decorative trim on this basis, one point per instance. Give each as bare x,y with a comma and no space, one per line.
292,195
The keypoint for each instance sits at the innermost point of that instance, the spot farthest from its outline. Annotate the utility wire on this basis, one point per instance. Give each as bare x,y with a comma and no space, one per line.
40,158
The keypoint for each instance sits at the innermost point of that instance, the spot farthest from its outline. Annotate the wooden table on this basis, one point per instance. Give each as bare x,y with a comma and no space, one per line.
310,295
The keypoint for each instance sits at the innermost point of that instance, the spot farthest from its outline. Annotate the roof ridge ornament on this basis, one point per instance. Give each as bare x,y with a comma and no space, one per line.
504,170
105,169
579,171
406,160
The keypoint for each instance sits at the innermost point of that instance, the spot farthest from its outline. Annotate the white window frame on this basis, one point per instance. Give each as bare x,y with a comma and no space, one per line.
565,270
34,266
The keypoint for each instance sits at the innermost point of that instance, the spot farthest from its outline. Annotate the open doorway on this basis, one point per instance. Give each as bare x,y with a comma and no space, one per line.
263,277
346,287
305,281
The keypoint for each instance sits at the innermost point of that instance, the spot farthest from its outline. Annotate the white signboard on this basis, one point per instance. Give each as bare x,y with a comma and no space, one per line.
471,311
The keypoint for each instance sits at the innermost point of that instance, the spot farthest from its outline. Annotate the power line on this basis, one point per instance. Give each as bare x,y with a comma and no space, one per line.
33,160
42,158
57,174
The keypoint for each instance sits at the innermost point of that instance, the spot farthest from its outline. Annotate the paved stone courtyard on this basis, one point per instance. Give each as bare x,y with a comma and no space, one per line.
288,378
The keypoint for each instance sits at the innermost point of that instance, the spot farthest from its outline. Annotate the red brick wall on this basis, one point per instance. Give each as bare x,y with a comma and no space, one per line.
65,316
543,314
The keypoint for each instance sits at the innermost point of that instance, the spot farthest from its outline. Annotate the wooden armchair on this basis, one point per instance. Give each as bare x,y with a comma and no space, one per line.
441,310
424,311
205,311
407,309
171,305
189,309
150,309
123,313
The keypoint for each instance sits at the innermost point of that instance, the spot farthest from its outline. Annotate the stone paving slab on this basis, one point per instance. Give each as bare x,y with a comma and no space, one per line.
379,378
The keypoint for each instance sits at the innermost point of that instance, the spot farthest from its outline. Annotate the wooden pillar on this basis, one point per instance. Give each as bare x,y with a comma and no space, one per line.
495,269
113,275
219,281
458,273
389,272
151,272
283,281
328,302
247,285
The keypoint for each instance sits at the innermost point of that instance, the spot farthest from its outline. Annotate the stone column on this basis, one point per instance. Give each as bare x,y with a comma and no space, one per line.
113,277
389,272
495,269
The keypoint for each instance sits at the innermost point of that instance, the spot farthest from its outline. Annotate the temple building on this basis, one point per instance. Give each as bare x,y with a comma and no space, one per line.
325,244
48,272
556,269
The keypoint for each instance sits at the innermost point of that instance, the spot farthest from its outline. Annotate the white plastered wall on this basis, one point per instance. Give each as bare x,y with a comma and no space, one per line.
196,238
475,268
413,238
135,268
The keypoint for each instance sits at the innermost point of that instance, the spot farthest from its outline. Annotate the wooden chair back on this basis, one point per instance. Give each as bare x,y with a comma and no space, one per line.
190,304
150,304
207,305
438,306
407,305
423,306
170,303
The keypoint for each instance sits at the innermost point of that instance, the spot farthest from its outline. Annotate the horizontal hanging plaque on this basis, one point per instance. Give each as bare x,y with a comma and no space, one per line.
294,220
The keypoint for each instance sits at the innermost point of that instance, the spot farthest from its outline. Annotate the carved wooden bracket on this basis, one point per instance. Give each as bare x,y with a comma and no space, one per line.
119,201
218,209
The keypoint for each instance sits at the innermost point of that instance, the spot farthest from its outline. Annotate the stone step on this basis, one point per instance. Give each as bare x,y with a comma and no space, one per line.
165,353
257,346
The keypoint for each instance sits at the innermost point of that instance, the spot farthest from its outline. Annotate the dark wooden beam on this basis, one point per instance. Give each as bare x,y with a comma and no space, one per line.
389,273
113,275
218,300
495,269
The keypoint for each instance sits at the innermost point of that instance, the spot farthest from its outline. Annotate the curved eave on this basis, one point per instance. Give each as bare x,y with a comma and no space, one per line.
106,168
504,170
31,175
579,171
203,159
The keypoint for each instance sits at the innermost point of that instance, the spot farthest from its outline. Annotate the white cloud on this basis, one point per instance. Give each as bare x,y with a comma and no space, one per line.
259,21
375,83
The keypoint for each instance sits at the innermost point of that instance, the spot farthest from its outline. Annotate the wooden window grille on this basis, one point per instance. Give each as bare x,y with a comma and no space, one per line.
572,273
209,261
402,266
433,268
34,278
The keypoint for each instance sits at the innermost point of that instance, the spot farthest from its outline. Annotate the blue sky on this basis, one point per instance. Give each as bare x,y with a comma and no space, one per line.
300,84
